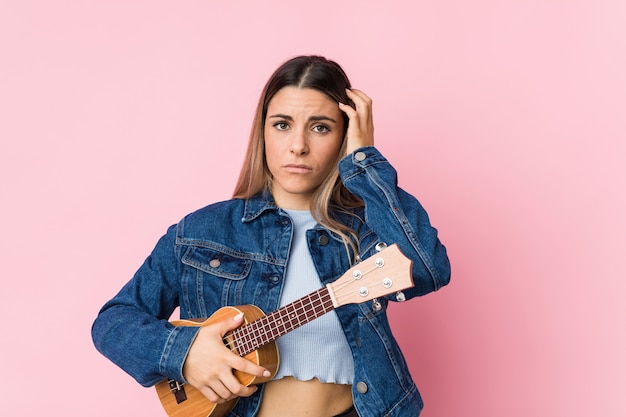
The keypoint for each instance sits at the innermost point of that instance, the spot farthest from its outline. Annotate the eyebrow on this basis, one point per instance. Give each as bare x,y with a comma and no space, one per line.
312,118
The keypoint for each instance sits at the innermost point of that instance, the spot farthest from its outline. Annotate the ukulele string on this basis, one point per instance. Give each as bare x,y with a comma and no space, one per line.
259,332
264,324
342,285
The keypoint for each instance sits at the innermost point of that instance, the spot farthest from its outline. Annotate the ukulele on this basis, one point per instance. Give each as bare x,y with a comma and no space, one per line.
387,272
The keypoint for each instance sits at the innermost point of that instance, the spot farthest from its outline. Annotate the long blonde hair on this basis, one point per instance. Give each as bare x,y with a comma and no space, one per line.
331,196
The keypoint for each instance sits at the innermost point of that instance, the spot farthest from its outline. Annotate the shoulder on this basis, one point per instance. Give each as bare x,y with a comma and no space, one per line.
212,217
217,209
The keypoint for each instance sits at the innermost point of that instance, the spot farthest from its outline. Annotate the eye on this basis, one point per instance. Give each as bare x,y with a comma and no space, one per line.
321,129
281,125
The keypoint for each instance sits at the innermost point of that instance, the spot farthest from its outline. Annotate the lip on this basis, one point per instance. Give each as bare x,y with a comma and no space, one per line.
298,168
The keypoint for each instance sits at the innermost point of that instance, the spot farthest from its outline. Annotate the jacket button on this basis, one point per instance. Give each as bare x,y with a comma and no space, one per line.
360,156
323,240
275,279
361,387
214,263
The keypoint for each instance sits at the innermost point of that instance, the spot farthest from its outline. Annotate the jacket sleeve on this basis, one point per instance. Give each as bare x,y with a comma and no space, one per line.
396,217
132,329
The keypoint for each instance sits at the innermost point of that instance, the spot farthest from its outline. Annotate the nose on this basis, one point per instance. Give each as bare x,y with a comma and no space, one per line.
299,144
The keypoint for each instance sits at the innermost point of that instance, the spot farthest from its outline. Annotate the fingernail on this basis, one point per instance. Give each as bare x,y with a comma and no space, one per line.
267,373
238,317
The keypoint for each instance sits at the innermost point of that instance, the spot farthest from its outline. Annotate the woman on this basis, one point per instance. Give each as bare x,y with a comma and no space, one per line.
313,198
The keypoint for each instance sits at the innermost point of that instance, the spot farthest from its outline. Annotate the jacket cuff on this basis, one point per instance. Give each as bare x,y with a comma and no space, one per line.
360,159
176,350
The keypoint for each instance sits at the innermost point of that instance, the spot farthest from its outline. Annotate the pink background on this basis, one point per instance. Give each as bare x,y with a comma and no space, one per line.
506,119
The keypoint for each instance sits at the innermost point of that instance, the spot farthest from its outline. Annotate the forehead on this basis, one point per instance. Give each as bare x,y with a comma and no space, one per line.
296,99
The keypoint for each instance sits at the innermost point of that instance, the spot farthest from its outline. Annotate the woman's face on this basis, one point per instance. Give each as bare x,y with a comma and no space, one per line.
303,136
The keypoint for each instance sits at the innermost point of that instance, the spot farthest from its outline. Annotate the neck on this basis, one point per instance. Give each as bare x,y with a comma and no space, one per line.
292,202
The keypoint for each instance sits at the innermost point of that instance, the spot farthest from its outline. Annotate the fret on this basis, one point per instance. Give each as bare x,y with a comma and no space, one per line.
298,306
268,328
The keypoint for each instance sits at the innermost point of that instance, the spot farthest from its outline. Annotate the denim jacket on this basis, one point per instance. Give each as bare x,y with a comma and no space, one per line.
251,240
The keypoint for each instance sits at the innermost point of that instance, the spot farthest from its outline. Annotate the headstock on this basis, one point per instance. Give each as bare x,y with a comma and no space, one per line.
386,272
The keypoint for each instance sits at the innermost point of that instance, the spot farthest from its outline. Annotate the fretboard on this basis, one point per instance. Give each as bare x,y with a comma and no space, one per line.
268,328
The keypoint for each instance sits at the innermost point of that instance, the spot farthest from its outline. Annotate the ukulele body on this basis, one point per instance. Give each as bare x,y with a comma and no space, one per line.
183,400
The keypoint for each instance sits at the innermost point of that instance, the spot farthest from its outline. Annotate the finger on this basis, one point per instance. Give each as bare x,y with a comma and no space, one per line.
358,96
361,119
362,101
247,391
248,367
360,131
224,387
229,324
216,395
237,362
363,104
235,387
348,110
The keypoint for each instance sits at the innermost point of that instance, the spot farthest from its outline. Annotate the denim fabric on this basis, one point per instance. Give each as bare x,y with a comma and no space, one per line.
251,240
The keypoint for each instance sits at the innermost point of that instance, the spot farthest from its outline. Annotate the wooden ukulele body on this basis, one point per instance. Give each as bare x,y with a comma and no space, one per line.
195,404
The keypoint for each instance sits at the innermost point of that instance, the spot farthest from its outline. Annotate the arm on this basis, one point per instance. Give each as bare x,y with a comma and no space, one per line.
132,331
393,214
132,328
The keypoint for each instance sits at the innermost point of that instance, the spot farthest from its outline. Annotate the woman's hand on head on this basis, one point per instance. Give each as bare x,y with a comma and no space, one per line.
209,364
361,124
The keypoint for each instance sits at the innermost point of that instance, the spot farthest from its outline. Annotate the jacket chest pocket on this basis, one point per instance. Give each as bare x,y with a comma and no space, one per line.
217,263
217,279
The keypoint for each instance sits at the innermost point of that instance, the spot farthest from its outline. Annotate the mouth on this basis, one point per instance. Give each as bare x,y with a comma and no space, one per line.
298,168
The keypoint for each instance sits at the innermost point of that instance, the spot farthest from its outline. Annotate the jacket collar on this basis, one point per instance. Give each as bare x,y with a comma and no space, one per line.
257,204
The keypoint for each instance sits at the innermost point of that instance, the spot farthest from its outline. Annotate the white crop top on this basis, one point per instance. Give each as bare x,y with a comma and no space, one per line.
318,349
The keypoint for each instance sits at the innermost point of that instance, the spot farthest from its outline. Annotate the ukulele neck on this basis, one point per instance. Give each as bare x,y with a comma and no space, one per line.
268,328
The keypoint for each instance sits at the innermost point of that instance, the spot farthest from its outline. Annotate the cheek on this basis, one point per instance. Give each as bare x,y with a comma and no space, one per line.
339,141
332,152
271,154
